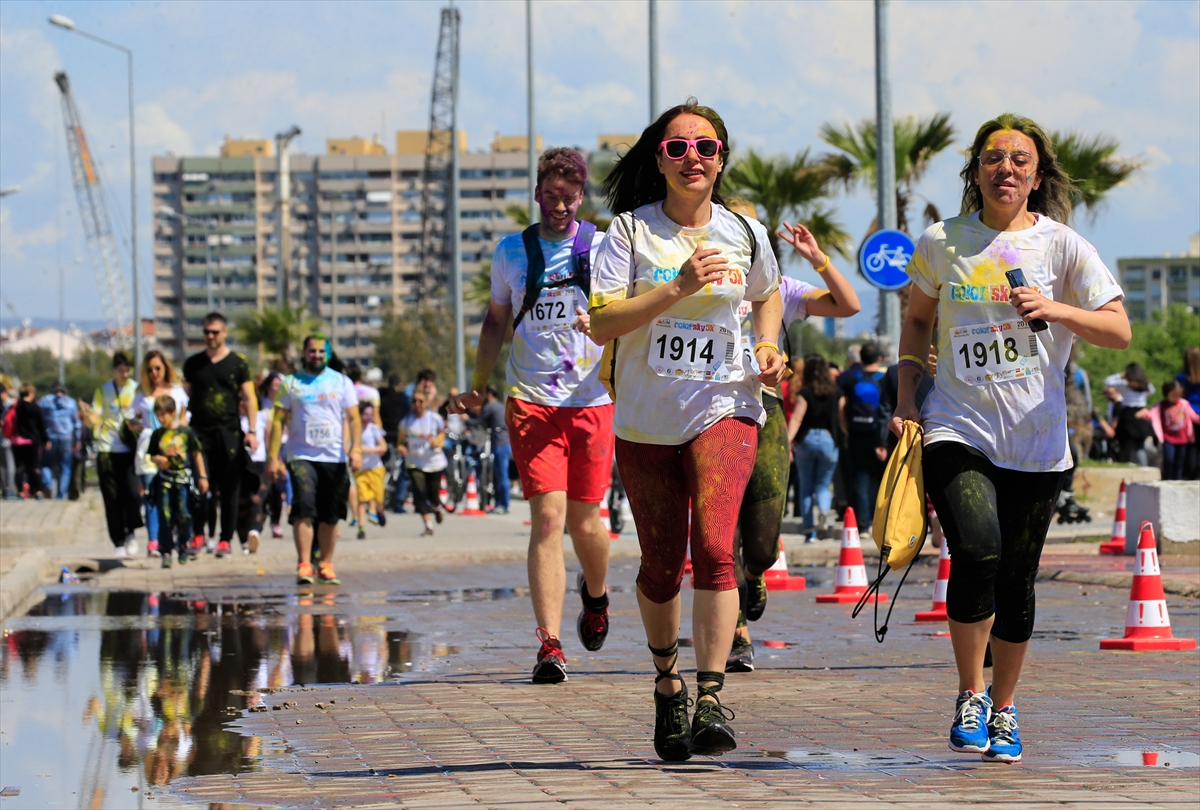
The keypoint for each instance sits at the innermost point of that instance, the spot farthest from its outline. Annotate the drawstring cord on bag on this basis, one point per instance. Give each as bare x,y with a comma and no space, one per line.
885,551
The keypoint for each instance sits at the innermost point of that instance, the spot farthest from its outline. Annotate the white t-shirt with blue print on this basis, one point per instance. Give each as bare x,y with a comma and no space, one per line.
549,362
316,412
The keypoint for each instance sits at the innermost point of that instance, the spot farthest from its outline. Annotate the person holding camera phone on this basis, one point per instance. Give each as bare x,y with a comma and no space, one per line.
995,424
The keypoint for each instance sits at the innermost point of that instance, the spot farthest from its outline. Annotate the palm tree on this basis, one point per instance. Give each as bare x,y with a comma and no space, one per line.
276,331
1090,164
917,141
788,188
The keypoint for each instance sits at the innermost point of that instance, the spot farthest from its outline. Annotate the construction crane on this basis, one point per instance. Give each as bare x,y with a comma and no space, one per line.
93,210
436,182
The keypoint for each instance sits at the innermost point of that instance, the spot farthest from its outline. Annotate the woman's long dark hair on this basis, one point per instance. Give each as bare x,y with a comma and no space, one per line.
1052,198
1135,377
816,375
636,181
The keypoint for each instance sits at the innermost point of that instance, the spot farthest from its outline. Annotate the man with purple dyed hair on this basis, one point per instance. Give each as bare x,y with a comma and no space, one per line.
558,414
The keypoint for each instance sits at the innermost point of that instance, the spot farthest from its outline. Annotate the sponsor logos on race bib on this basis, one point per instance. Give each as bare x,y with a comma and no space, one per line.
988,353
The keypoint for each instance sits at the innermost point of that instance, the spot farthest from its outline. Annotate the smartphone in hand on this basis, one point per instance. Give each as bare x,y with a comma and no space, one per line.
1016,278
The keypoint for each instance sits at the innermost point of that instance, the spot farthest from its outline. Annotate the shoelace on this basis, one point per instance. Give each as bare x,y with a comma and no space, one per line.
712,706
969,713
1005,726
548,649
594,623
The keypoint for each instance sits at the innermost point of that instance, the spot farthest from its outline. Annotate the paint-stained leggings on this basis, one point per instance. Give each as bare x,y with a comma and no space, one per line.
707,475
995,521
756,542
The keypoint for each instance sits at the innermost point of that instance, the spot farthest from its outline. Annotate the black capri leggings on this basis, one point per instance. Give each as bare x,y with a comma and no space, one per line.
995,521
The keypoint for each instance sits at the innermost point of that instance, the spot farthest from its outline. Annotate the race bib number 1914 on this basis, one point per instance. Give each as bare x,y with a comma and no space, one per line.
691,350
988,353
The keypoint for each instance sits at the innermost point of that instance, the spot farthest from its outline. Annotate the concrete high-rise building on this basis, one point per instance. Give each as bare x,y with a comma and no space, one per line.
355,226
1152,284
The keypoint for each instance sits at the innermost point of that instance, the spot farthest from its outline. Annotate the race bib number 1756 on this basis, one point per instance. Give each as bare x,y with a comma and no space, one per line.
988,353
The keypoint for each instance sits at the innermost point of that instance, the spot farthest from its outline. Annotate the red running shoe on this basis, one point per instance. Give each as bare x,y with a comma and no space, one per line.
223,549
551,663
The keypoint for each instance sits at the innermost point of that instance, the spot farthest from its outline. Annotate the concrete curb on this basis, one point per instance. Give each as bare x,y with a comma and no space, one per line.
1171,586
33,569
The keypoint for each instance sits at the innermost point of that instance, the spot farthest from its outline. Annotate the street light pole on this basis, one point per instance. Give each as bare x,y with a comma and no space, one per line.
460,363
885,168
653,60
67,24
532,144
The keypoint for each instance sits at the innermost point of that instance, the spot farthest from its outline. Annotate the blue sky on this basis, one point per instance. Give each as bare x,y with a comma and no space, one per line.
776,71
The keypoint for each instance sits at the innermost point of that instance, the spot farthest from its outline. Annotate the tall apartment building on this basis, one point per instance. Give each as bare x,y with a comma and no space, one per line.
1152,284
354,222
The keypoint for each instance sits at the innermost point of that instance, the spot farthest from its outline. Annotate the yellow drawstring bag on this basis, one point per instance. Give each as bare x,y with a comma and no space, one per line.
901,519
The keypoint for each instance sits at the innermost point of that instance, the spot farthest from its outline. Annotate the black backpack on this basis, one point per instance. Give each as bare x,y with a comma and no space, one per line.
863,414
581,260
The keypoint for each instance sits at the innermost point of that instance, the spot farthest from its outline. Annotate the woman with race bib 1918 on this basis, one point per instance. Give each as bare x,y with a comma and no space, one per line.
995,423
673,269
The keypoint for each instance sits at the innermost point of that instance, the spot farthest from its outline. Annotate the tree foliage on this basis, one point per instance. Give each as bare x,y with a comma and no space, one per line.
278,331
1158,345
83,375
789,188
917,141
417,338
1091,164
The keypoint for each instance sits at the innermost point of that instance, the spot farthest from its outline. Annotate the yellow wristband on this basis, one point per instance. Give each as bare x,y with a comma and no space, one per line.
355,449
822,267
762,343
914,358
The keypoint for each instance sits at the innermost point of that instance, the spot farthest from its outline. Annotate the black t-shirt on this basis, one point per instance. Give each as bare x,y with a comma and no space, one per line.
215,389
821,414
393,406
179,444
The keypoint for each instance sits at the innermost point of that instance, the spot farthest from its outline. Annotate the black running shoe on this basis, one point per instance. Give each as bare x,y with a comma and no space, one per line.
756,598
592,624
741,657
672,734
551,663
711,734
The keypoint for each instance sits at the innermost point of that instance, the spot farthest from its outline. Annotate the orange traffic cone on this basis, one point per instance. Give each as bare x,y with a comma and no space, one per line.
1147,625
444,494
778,578
851,573
472,509
1116,545
606,516
938,612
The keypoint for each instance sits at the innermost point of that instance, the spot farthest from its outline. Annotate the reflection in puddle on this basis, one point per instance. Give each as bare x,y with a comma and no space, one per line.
843,760
151,677
1154,759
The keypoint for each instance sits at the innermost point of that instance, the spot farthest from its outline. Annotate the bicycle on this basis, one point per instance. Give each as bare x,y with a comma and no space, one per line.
896,257
480,439
456,472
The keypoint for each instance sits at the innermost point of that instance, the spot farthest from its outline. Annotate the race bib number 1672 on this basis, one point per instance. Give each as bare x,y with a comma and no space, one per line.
988,353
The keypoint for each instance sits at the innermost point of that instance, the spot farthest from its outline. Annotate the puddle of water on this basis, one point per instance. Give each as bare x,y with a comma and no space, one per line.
1153,759
779,644
847,760
133,690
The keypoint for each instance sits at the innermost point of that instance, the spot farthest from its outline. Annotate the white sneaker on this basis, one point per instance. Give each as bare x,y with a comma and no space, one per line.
131,546
119,551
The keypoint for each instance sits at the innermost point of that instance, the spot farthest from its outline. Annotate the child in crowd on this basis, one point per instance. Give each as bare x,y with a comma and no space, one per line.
370,479
170,448
1173,418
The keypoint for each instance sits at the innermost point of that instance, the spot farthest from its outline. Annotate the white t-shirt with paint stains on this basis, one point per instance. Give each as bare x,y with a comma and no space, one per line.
645,252
999,385
549,363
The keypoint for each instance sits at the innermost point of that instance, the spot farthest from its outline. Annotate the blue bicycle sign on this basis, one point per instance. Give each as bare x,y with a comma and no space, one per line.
883,257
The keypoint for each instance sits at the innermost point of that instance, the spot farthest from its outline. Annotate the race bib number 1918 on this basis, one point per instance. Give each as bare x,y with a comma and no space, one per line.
988,353
691,350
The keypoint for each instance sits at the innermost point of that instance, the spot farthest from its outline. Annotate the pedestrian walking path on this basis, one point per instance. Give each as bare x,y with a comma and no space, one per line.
821,723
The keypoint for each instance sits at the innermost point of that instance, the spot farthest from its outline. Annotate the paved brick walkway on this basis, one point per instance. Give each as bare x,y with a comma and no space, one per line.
829,719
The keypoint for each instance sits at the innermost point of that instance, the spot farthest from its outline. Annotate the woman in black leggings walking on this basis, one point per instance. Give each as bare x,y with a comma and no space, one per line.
995,424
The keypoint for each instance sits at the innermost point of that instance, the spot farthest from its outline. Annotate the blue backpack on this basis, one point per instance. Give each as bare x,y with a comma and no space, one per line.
862,402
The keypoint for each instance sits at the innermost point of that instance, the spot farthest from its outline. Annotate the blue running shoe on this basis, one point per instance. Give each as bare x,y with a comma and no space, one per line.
969,734
1004,737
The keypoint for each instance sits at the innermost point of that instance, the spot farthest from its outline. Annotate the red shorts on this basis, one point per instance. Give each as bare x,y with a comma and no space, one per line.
559,449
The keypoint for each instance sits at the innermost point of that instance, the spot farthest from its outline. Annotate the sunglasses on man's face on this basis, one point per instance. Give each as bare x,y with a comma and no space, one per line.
677,148
211,332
